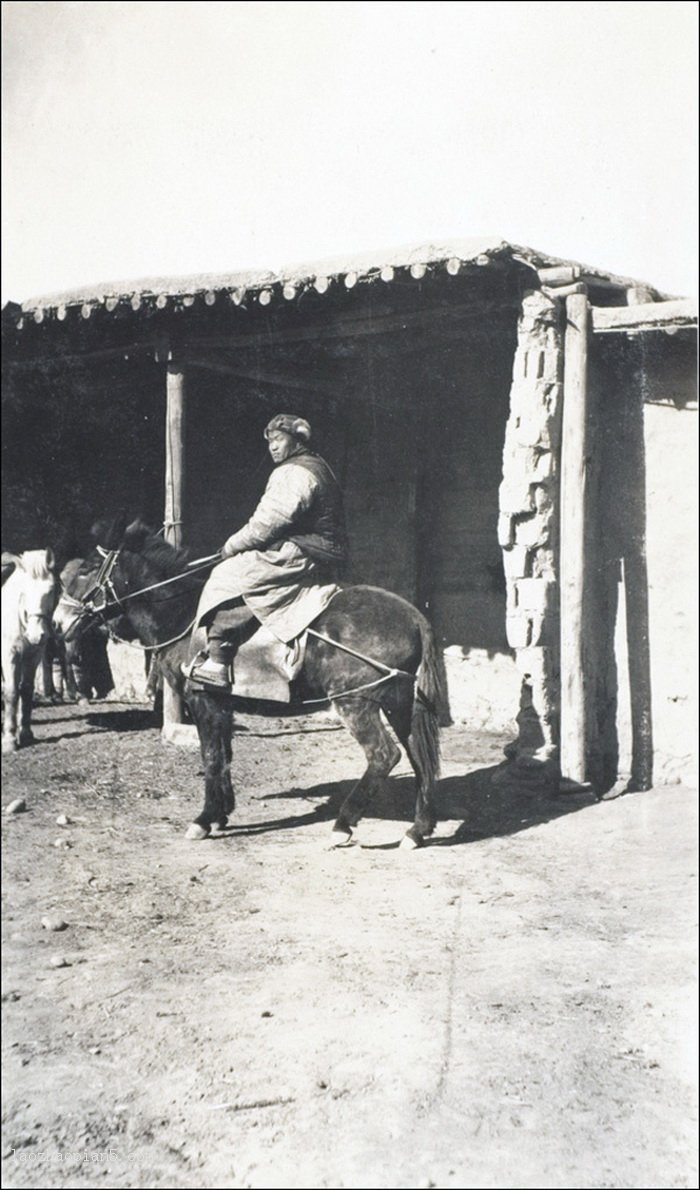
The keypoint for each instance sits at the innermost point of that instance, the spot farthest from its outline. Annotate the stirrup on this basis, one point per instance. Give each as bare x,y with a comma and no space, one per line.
186,667
207,680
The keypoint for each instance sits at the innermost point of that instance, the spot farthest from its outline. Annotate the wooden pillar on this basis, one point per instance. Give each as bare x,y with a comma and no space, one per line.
174,497
637,593
639,663
573,583
637,589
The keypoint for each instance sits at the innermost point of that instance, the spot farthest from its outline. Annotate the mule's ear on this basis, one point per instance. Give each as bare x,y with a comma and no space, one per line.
100,530
109,532
50,559
135,534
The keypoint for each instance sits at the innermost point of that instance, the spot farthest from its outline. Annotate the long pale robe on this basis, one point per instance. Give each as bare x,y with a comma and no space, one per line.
280,584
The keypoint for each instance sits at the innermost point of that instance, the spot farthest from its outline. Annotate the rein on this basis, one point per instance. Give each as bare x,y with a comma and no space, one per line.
104,584
112,556
149,648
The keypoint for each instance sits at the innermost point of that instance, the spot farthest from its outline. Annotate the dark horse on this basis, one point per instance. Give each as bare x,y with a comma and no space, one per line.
124,572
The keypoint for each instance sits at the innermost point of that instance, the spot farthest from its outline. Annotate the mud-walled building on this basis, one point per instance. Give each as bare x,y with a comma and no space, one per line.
515,436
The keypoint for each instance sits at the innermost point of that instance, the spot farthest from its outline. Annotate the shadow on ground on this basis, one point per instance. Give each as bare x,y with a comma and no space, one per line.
485,808
129,719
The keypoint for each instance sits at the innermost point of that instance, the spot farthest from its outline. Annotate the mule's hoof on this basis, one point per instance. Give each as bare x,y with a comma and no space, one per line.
340,839
196,832
9,744
408,843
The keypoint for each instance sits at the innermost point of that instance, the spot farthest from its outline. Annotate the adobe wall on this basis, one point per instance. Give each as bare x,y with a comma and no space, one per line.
672,520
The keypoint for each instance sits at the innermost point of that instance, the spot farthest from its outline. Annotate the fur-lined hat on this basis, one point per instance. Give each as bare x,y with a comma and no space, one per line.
289,424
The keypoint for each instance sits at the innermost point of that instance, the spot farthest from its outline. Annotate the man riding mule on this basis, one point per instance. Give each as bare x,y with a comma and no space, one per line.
368,652
280,568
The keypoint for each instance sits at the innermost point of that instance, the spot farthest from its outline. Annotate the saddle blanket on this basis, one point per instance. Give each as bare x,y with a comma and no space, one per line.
264,666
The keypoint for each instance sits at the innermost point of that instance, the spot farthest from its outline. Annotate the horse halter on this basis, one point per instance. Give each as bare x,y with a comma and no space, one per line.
104,590
97,598
104,585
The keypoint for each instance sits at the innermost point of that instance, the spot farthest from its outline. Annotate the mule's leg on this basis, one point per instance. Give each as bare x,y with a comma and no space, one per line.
77,680
417,729
48,686
232,627
69,682
362,717
30,661
214,720
11,668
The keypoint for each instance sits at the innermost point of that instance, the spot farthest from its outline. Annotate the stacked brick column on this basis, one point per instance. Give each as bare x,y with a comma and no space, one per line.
528,523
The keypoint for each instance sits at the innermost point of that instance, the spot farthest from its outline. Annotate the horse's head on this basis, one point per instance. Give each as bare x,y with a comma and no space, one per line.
74,614
36,592
84,582
126,561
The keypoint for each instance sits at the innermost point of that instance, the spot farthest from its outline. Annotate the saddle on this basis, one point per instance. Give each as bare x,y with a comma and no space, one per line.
264,667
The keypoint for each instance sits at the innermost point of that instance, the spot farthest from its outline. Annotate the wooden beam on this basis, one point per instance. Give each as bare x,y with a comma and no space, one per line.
591,281
349,328
647,316
68,358
339,392
278,379
573,541
557,276
560,274
174,502
564,291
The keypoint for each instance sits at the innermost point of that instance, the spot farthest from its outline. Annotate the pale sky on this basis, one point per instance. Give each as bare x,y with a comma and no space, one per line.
149,138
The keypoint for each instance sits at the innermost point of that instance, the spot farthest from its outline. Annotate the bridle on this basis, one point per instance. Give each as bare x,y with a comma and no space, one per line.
103,594
103,583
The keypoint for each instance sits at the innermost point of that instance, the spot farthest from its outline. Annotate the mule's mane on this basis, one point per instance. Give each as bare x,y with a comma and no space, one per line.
161,554
157,560
36,564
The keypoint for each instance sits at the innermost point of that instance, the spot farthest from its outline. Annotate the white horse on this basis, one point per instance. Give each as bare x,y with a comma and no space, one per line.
28,598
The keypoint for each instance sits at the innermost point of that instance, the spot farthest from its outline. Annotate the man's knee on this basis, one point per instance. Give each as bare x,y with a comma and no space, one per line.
230,628
227,620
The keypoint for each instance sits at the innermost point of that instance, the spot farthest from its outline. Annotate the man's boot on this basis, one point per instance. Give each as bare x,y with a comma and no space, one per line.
230,627
209,673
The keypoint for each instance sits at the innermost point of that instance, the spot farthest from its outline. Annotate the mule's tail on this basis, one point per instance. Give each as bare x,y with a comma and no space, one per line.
432,681
431,709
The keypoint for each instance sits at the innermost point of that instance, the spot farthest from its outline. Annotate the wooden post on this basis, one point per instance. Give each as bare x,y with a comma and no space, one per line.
174,498
637,598
639,664
573,540
637,580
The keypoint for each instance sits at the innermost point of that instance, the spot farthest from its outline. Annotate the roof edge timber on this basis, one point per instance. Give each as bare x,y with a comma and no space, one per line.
365,267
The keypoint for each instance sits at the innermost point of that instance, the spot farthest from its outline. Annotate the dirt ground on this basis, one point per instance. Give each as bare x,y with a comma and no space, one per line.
511,1006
